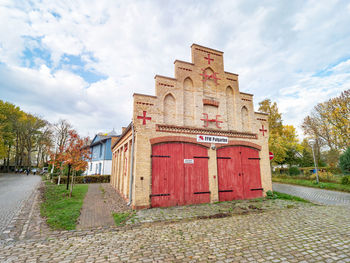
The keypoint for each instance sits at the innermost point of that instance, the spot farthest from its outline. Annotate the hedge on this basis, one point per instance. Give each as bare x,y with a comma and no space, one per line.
307,170
88,179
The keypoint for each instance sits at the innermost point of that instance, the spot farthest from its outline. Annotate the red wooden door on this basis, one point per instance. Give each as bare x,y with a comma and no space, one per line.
173,181
238,173
196,175
251,173
165,175
229,173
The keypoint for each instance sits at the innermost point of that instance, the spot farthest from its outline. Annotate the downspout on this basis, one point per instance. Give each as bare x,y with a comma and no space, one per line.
131,177
104,159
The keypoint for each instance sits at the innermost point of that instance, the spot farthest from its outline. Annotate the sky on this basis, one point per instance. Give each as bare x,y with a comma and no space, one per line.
82,60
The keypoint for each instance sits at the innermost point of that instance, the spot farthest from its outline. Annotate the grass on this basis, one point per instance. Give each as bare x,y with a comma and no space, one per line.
120,218
60,210
283,196
309,183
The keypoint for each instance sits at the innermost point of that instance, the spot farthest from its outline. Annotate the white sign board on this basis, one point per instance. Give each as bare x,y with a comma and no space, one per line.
189,161
212,139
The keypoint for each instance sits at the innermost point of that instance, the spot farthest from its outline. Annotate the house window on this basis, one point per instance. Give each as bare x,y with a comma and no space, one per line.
100,150
91,166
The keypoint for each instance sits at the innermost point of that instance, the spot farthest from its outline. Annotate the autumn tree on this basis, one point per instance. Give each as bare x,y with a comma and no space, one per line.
21,134
329,123
76,155
344,161
283,141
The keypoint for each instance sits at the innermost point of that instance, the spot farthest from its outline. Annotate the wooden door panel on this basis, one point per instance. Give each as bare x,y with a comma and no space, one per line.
229,173
251,173
160,184
175,183
196,175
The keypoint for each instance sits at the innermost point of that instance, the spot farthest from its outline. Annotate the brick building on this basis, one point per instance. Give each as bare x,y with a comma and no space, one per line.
198,140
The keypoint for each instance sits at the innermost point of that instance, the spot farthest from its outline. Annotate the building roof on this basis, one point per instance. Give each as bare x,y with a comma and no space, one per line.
126,130
101,137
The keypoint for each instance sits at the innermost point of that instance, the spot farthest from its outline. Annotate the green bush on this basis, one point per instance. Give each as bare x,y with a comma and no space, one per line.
345,180
344,161
294,170
88,179
270,195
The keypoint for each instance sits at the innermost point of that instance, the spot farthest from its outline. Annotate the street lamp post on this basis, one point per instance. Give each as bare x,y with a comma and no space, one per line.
312,142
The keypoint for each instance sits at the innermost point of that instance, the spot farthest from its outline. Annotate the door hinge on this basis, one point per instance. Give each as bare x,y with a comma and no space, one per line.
163,156
159,195
224,191
253,158
198,193
223,157
256,189
201,157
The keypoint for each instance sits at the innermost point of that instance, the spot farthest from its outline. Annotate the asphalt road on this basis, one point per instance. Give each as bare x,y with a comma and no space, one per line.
320,196
14,190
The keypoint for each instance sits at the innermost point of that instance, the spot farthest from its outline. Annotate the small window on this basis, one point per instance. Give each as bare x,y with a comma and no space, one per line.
91,166
100,150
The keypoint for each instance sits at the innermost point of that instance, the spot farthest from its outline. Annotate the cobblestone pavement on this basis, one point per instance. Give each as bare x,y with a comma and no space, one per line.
302,234
216,210
319,196
100,202
15,189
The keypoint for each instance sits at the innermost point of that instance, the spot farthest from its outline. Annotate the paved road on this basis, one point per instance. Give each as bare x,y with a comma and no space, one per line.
305,234
319,196
14,190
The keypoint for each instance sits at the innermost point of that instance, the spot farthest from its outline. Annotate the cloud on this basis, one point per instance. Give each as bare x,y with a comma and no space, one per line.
295,53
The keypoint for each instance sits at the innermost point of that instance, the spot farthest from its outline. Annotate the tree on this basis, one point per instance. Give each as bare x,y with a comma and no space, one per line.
275,118
306,159
31,132
344,161
283,140
76,155
329,123
62,128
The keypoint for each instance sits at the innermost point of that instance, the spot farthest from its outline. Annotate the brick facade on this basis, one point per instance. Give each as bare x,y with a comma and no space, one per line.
202,99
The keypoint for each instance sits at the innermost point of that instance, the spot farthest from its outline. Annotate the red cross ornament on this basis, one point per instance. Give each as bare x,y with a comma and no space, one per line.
263,130
207,120
214,77
144,118
209,59
205,76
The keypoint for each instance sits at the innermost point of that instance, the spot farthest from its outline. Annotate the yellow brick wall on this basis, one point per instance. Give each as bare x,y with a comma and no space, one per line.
181,102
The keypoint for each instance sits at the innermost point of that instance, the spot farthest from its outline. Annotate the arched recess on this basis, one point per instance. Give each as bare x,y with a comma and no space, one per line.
169,107
229,107
209,86
188,102
245,118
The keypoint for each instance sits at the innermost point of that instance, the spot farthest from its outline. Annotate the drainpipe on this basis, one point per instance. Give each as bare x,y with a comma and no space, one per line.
131,178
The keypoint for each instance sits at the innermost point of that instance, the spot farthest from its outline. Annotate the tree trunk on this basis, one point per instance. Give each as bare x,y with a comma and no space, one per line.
59,176
71,184
29,157
8,159
16,155
69,166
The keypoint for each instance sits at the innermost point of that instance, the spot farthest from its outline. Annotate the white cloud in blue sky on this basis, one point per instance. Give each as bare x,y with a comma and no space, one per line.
82,60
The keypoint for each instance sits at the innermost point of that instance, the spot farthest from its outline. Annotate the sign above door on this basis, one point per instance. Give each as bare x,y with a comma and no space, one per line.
212,139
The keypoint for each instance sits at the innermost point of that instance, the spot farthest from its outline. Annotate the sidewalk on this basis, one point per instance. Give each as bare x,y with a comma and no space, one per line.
319,196
100,202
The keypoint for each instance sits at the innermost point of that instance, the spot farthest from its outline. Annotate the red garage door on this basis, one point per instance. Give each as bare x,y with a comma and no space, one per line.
179,175
238,173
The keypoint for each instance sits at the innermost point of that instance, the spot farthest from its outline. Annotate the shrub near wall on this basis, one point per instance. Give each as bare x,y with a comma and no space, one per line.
88,179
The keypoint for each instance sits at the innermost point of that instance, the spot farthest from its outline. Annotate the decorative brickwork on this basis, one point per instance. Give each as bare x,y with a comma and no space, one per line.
211,102
201,94
165,139
189,130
